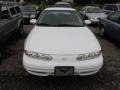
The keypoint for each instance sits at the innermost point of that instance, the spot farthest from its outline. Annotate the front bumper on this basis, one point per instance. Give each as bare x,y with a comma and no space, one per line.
46,68
27,18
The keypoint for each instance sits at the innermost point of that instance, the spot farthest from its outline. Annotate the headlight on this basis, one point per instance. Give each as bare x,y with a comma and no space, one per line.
32,16
38,55
88,56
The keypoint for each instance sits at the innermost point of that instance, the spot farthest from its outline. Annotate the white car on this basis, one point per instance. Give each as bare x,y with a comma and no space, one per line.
60,44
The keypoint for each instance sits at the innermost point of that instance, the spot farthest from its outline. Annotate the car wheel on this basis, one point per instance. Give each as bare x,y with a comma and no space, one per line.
21,30
102,31
1,57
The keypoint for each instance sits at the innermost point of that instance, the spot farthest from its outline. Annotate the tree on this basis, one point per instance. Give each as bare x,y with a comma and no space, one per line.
82,1
106,1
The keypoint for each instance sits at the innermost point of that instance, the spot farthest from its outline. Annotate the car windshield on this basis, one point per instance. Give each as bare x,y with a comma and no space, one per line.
94,10
60,18
28,8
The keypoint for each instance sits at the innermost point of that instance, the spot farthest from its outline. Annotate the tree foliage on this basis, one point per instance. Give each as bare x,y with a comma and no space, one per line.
106,1
77,1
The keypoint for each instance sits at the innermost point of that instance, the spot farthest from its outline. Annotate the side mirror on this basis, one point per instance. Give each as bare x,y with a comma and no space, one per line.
88,22
84,11
33,21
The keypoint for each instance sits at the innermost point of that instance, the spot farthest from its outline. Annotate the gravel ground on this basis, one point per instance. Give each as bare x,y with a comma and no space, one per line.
14,77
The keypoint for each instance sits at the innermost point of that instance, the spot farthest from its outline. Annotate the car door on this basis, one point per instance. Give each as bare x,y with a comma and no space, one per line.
5,23
19,16
13,19
113,25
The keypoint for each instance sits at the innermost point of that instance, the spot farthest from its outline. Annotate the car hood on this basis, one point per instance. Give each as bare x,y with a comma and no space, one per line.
96,15
62,40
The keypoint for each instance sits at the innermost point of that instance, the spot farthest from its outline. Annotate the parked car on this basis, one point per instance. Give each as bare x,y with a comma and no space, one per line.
11,21
30,12
92,13
63,4
110,8
60,44
110,26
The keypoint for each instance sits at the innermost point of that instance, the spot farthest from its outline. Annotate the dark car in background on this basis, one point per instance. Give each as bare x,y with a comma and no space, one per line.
30,12
109,8
110,26
11,22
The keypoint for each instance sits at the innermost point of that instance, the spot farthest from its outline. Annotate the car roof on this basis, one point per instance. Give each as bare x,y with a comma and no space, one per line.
111,4
8,3
91,7
60,8
30,5
61,3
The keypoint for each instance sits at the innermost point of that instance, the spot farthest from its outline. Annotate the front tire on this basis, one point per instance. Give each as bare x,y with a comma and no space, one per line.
1,55
21,31
102,31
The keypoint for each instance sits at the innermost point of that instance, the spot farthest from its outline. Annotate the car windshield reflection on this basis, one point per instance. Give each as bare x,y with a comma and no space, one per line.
60,18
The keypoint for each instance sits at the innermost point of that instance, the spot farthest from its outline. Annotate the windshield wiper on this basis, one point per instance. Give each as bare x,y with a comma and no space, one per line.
43,24
67,25
58,25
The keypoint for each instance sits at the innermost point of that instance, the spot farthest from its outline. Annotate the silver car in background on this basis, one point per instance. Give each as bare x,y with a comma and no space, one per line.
63,4
93,13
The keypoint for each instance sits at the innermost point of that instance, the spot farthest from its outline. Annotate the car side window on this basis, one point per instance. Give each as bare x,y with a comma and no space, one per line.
111,7
115,17
12,10
18,10
114,7
4,13
107,7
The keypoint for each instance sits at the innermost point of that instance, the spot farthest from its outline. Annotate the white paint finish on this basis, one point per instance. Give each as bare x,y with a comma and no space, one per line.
63,44
62,40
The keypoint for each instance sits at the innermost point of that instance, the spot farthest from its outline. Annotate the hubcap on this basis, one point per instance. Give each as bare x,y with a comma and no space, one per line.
21,30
